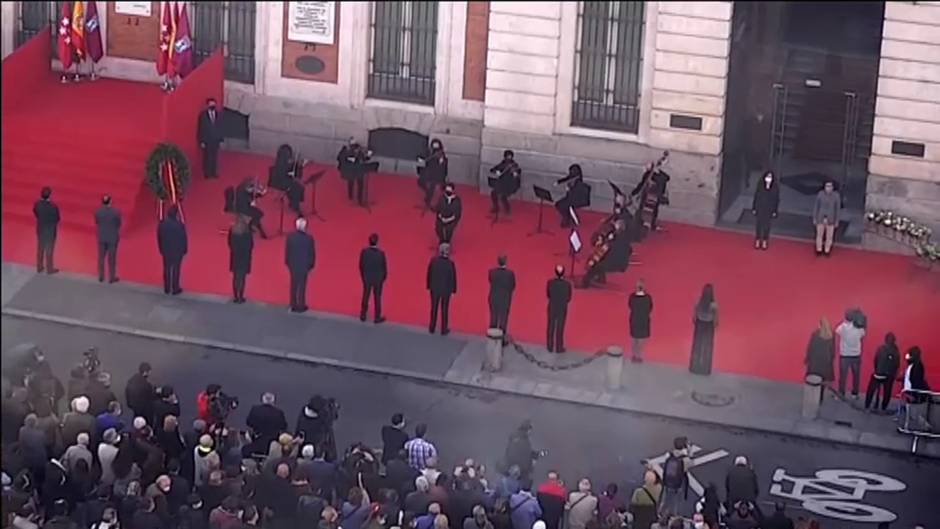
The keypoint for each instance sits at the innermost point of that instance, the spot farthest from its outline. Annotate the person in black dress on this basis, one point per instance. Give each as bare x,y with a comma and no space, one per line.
47,225
432,170
578,194
283,176
641,309
764,208
558,291
705,319
173,244
442,284
300,258
373,269
449,211
240,245
502,285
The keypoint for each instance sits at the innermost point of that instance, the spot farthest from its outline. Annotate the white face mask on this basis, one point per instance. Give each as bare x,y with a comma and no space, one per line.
699,525
768,179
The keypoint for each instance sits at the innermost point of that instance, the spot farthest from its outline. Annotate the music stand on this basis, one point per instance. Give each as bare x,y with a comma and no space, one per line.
574,246
544,195
367,168
617,191
313,180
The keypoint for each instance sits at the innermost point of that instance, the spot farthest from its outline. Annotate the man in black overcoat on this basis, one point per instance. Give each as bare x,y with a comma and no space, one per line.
210,135
47,224
502,284
442,283
108,224
559,295
373,270
173,244
300,258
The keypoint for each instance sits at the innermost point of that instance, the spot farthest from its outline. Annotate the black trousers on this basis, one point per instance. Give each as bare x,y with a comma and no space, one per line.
499,317
886,384
428,186
556,328
445,232
374,290
563,207
210,160
44,251
298,289
849,365
442,302
295,195
762,230
497,197
238,285
171,274
107,250
354,182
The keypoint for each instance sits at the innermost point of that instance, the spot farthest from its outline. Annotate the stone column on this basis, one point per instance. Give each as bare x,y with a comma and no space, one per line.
494,350
812,396
614,368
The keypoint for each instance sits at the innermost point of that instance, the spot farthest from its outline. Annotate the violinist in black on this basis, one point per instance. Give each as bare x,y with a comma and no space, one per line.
577,196
506,180
351,164
432,170
284,177
245,195
449,210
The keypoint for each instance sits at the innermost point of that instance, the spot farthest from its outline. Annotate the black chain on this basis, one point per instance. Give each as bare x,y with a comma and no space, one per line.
554,367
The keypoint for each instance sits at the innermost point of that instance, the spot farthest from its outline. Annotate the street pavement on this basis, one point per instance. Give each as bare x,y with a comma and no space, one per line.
841,485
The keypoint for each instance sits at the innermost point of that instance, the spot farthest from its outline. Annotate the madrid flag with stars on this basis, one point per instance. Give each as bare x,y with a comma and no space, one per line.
65,36
167,34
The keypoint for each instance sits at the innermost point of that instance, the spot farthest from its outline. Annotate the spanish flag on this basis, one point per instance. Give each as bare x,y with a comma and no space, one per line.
78,29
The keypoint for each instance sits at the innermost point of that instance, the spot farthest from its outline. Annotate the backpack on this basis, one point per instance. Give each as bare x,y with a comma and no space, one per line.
673,472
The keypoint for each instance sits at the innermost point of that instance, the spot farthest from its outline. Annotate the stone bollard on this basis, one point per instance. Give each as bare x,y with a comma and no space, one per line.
494,350
614,368
812,396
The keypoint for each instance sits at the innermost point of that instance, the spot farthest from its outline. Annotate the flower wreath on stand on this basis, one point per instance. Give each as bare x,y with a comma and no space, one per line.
168,176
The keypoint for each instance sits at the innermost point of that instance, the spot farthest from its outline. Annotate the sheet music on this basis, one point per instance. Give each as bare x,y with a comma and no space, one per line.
575,241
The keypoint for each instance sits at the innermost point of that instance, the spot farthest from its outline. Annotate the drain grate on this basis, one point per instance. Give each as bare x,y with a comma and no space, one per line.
714,400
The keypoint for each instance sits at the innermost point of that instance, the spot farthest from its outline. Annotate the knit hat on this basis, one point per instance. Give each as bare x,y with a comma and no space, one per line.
205,444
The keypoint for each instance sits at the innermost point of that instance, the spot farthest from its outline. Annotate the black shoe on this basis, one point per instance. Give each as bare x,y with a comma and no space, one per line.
380,319
52,271
445,332
39,270
431,330
236,301
819,253
560,350
636,360
828,254
549,349
177,292
114,280
166,291
362,317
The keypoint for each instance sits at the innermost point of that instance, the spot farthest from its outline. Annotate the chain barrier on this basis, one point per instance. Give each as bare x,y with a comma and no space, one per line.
552,366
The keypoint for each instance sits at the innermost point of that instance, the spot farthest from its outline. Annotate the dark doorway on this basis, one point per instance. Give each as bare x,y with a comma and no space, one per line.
801,102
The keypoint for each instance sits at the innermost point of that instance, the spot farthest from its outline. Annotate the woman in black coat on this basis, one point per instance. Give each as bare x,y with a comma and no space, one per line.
240,245
887,363
641,308
766,202
820,352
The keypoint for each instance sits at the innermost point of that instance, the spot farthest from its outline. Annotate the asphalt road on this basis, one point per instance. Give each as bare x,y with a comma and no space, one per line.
605,445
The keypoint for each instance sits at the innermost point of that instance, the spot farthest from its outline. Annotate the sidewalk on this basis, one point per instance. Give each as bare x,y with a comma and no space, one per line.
727,400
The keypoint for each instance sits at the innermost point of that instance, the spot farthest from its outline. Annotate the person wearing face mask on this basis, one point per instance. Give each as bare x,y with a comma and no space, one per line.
432,170
764,208
505,182
210,136
826,218
449,210
577,196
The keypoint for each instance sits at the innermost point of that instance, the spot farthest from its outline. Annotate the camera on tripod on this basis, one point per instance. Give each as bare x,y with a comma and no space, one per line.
221,404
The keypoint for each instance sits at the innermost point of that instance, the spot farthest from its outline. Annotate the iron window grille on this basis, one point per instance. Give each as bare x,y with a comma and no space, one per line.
31,17
230,25
608,66
404,51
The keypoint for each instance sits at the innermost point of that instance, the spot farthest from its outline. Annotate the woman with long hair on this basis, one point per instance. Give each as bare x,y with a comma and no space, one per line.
820,352
704,319
240,244
764,207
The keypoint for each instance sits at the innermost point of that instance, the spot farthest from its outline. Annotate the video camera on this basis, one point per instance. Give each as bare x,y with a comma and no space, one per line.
91,362
221,405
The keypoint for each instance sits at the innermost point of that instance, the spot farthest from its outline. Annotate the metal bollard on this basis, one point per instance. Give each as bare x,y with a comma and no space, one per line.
812,396
494,350
614,368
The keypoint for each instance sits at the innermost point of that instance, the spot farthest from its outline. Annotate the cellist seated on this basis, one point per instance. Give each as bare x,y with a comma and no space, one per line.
612,255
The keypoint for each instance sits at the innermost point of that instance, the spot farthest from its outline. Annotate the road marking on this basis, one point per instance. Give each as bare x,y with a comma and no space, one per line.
838,493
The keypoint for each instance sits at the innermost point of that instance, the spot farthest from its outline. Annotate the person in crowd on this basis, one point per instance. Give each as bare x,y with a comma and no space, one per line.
558,291
110,419
765,205
394,437
820,353
315,425
139,392
478,519
710,506
33,446
577,195
519,452
241,244
505,181
165,403
300,258
705,321
640,304
675,476
58,516
915,382
168,439
77,452
552,496
743,516
502,284
108,230
107,452
524,509
826,217
432,170
77,421
417,502
644,503
173,244
355,510
399,474
99,393
607,502
887,363
850,333
420,450
449,210
741,483
373,270
47,226
779,519
211,135
442,284
581,507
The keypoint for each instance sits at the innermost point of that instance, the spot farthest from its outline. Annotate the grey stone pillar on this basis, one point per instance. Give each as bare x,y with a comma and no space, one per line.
494,350
614,368
812,396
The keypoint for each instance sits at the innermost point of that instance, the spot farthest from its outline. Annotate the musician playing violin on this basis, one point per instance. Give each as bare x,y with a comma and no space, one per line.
508,179
352,159
284,175
611,254
577,196
432,170
246,195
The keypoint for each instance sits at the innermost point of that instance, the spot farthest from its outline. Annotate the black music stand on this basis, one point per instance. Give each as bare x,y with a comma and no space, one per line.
313,180
544,195
617,191
574,246
367,168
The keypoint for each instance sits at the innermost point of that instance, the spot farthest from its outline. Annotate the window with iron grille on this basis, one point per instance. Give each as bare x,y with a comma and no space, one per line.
32,17
608,66
404,51
230,25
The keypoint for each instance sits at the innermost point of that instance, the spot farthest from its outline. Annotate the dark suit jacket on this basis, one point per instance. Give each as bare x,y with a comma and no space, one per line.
47,217
766,201
300,254
442,276
240,247
393,440
171,239
210,132
502,284
372,266
559,293
446,209
267,421
108,221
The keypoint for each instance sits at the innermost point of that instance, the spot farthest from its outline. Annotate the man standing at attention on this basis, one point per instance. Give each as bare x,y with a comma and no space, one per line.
300,258
850,351
826,218
442,283
108,222
373,269
173,244
47,224
559,295
502,284
210,136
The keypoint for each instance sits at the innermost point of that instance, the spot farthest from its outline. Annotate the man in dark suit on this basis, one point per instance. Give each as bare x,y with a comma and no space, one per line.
47,225
449,211
559,294
442,283
502,284
173,244
266,420
210,136
300,258
108,222
373,269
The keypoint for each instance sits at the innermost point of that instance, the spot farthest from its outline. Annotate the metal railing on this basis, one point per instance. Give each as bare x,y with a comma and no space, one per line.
608,65
402,62
230,25
919,415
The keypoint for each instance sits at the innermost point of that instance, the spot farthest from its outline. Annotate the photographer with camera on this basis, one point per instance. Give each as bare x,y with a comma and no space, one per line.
214,406
315,425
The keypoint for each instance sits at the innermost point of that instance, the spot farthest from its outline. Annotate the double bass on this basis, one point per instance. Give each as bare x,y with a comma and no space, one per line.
652,192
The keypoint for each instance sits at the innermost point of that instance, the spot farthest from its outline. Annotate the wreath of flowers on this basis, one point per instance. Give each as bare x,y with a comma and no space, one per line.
889,223
168,161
